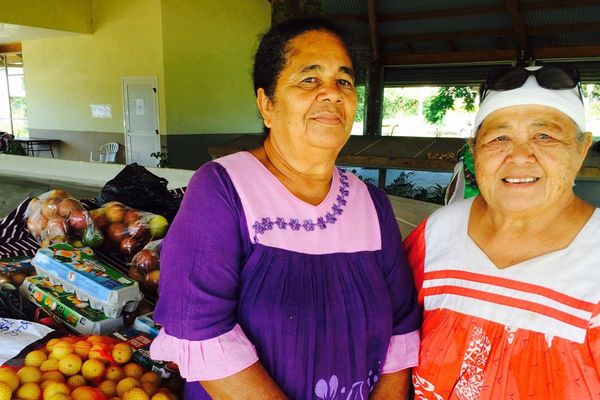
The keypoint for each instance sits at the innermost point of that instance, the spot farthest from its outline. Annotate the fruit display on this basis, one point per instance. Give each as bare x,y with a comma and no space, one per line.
55,217
145,266
126,229
92,368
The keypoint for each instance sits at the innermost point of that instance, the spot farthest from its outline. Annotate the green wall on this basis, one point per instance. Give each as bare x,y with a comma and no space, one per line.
63,76
208,49
64,15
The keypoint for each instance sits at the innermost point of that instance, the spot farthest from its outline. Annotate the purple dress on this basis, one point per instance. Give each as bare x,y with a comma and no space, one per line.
322,292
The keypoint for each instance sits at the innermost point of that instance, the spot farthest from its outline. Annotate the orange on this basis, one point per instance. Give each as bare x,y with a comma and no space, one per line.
161,396
99,351
109,388
10,377
126,384
93,369
82,348
133,370
58,396
29,391
49,365
122,353
54,388
51,343
70,364
152,377
53,376
29,374
135,394
35,358
75,381
62,348
5,391
149,388
115,373
87,393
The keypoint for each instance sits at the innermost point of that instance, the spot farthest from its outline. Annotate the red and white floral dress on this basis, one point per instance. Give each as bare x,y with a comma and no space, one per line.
530,331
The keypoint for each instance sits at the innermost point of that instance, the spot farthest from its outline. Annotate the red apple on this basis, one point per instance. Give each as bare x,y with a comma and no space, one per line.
116,232
57,226
79,219
67,205
129,246
131,216
100,221
145,260
50,207
138,229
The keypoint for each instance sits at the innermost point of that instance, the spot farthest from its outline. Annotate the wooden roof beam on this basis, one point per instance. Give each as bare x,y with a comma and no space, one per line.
514,9
372,10
557,4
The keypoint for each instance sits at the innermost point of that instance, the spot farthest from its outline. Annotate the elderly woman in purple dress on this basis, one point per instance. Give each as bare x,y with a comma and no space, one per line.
282,276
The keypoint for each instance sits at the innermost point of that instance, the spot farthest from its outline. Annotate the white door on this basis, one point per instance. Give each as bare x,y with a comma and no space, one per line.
140,103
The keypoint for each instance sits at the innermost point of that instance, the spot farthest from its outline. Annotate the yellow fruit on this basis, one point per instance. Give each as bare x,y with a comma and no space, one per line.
161,396
93,369
149,388
58,396
96,339
69,339
9,376
133,370
62,348
126,384
49,365
114,373
75,381
70,364
122,353
99,351
35,358
51,343
82,348
29,374
135,394
152,377
87,393
53,376
5,391
54,388
29,391
109,388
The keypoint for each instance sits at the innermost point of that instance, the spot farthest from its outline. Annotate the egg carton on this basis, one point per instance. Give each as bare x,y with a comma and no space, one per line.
64,306
79,272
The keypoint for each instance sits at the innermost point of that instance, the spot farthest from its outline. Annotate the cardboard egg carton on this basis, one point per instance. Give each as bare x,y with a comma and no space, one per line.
64,306
79,272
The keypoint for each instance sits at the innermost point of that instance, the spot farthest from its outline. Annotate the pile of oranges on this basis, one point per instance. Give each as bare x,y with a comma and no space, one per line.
72,368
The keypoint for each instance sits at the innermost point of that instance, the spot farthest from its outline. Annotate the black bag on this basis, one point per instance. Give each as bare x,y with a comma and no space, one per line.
139,188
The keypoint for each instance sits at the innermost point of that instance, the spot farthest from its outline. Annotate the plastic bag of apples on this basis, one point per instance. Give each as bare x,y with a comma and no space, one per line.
84,368
56,217
145,266
128,230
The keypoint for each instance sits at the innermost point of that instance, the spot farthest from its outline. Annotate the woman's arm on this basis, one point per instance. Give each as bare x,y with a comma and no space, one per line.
392,386
251,383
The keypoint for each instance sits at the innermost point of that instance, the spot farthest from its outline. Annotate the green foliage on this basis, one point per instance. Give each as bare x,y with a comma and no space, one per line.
394,104
591,91
403,186
436,107
162,157
360,104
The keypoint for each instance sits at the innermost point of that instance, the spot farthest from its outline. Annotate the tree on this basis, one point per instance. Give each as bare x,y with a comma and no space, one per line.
393,104
360,104
436,107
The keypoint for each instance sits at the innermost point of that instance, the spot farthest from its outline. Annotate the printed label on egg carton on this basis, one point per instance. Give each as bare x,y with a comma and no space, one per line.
13,270
76,314
79,272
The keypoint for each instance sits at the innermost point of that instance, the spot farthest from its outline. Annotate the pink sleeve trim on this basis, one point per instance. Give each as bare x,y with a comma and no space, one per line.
205,360
403,352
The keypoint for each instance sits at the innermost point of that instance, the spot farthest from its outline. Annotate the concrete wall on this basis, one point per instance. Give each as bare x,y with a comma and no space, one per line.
208,49
63,76
63,15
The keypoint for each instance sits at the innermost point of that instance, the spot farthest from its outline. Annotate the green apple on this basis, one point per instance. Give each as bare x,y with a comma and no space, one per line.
158,226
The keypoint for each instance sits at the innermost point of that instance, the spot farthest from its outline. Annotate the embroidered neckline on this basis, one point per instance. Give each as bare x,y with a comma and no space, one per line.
295,224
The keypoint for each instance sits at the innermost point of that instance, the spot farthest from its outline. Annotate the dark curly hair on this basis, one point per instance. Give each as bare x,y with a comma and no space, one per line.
271,56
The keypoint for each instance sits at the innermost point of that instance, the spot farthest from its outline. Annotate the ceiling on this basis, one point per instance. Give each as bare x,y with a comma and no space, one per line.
433,32
10,33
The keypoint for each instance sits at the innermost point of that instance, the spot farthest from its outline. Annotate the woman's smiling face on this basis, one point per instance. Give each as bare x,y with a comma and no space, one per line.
527,158
315,99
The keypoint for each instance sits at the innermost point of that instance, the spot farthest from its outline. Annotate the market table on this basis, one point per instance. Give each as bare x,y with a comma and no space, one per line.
33,145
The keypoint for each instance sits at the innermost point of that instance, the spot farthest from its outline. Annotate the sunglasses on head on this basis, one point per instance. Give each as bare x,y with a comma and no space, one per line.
551,77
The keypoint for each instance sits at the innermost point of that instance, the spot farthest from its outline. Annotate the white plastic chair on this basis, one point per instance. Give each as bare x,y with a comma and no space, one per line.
106,154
